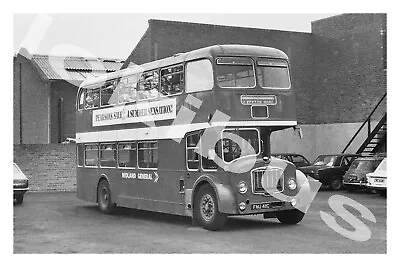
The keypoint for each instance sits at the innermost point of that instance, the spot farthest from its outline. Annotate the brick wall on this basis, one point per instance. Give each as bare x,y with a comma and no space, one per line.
349,59
49,167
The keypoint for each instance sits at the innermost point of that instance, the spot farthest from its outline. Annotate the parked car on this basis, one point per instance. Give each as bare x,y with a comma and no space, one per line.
355,178
297,159
377,179
21,183
329,169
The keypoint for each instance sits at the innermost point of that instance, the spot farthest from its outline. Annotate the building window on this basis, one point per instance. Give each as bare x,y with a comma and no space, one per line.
235,72
91,155
172,80
127,155
80,153
108,97
92,99
127,89
108,155
148,154
148,85
192,157
199,76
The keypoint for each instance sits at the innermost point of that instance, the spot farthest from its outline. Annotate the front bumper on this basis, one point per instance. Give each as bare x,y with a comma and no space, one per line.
355,183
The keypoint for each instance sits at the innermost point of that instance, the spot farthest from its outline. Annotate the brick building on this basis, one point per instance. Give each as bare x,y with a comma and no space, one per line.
45,90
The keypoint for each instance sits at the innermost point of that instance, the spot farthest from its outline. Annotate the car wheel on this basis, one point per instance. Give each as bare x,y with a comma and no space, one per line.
336,184
19,199
206,210
289,216
104,197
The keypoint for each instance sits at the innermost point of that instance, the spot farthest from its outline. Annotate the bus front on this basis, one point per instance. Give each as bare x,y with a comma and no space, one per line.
253,90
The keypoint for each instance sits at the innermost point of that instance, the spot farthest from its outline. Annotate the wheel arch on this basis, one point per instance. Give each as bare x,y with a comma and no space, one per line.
225,196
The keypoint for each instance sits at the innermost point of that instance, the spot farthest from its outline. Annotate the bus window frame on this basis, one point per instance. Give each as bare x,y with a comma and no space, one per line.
92,166
240,129
157,70
93,87
114,82
273,88
136,152
183,64
115,151
253,64
82,93
212,73
77,154
186,150
137,157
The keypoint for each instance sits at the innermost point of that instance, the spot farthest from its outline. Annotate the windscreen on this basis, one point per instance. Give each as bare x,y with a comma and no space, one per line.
235,72
273,73
327,161
249,144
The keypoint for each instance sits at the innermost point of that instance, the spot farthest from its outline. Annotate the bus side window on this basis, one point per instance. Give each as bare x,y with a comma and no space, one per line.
127,155
148,154
80,154
126,88
199,76
108,155
108,94
192,157
91,155
148,85
172,80
92,99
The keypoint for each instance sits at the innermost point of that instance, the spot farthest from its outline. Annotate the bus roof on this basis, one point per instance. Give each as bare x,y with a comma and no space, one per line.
206,52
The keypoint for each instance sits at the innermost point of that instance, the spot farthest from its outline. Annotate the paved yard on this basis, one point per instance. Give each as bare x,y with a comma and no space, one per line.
60,223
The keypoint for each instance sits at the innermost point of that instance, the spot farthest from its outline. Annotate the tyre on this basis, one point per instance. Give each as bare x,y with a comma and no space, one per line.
289,216
104,197
336,184
19,199
206,210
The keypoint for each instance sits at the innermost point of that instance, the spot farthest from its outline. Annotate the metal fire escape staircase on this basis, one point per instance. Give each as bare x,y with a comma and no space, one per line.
376,139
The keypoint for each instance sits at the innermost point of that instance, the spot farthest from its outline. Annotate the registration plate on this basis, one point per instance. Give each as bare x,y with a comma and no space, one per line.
379,181
263,206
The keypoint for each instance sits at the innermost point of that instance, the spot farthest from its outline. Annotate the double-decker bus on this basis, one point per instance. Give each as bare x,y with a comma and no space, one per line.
141,136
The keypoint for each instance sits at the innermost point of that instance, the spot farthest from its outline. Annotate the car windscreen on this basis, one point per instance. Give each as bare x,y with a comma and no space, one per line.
364,165
327,161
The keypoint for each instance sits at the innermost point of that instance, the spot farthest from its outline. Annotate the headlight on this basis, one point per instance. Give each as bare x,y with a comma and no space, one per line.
242,187
292,184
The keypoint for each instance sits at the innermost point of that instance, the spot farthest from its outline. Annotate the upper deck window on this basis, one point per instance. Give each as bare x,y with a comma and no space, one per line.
92,98
127,89
148,85
273,73
199,76
235,72
108,94
172,80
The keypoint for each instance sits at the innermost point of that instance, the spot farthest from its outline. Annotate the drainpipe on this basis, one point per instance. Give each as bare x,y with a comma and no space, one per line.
20,103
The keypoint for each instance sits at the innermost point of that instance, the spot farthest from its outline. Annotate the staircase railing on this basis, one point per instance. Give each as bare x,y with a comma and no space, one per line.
367,121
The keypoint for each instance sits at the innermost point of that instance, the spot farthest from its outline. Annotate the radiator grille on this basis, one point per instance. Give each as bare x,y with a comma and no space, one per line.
274,178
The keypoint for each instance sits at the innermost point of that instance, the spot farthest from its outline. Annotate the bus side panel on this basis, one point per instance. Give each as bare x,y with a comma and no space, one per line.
86,183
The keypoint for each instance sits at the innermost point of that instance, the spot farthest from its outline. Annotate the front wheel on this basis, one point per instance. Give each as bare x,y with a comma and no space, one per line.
104,197
336,184
206,210
290,216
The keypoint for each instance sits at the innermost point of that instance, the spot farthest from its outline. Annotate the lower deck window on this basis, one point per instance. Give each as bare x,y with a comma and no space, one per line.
91,155
148,154
127,155
108,155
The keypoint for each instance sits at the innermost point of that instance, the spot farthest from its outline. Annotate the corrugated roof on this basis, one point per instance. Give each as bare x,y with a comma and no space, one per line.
74,68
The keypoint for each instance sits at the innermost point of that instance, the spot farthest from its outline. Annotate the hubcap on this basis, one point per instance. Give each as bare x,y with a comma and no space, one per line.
207,207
